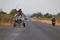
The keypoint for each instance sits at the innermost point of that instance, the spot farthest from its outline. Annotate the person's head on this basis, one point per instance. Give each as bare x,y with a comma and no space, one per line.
20,10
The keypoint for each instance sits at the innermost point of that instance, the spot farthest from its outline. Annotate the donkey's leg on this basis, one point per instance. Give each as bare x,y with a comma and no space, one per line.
14,24
23,23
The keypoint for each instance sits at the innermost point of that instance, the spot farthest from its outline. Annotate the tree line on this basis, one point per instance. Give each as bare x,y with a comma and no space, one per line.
47,15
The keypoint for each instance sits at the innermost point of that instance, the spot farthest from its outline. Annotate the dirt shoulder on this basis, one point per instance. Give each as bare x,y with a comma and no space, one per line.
3,25
48,21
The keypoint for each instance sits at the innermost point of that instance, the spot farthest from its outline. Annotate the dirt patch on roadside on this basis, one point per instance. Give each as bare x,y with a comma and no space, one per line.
44,21
3,25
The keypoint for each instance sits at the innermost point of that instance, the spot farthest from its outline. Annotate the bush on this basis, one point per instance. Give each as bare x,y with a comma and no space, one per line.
47,15
39,14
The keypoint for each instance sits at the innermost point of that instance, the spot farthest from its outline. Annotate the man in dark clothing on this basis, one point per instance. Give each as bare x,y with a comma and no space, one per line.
53,21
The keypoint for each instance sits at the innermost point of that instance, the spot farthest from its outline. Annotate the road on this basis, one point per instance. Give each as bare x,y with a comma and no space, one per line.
32,31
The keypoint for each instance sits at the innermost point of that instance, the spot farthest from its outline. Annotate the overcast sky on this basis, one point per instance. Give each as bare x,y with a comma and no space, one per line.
31,6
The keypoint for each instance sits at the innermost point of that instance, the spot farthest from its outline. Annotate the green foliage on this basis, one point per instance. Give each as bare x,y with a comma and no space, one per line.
47,15
58,14
4,17
33,15
13,11
1,12
39,14
58,18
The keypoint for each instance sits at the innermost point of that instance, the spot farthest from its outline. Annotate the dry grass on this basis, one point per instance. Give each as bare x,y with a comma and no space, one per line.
5,20
45,20
4,25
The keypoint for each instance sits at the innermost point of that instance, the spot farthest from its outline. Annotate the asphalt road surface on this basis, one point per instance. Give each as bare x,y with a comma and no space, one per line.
32,31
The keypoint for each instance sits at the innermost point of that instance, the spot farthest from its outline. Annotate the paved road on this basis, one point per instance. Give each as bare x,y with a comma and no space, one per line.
32,31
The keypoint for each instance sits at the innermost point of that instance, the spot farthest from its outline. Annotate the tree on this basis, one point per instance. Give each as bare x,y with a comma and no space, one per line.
33,15
4,17
2,12
38,14
13,11
47,15
58,14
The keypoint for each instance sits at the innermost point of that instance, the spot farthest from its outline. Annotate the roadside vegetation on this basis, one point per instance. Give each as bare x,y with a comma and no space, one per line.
6,18
45,17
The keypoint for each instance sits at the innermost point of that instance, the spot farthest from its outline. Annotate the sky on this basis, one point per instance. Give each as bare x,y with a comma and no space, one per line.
31,6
